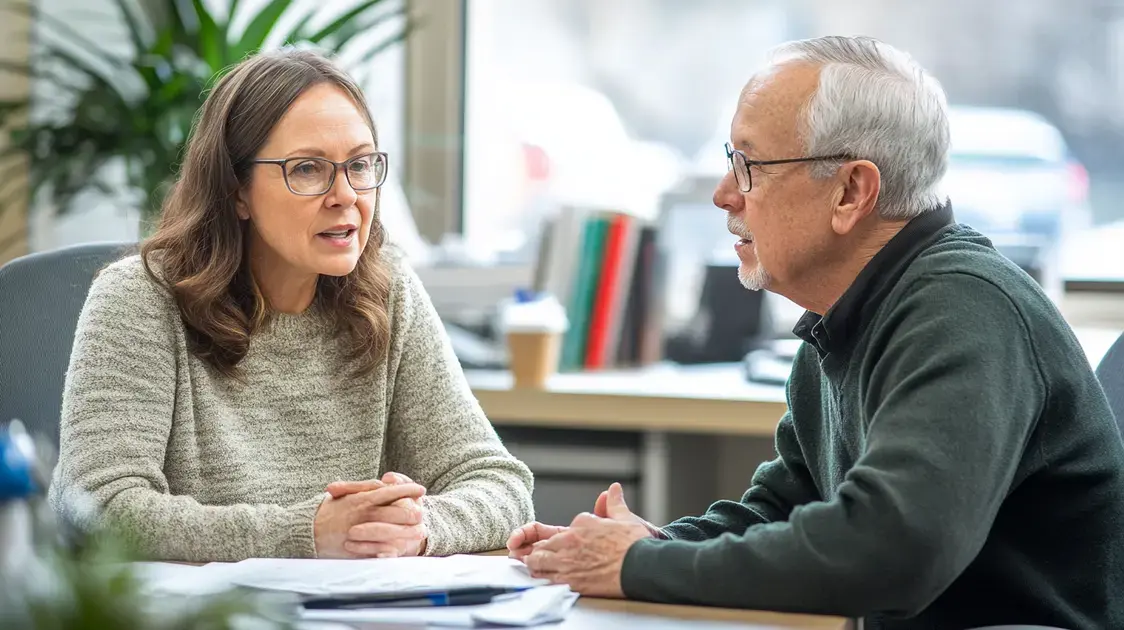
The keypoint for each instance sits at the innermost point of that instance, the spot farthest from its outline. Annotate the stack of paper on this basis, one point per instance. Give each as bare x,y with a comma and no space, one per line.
542,604
338,577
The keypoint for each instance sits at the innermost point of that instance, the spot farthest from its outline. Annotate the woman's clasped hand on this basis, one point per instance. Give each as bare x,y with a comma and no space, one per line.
378,518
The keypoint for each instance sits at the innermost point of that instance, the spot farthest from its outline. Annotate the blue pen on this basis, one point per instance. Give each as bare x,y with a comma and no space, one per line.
468,596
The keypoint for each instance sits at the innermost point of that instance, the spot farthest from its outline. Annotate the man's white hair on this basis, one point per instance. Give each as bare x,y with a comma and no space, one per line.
874,102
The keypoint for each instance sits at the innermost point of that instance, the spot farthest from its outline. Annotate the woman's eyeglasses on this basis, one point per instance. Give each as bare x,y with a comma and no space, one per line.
314,176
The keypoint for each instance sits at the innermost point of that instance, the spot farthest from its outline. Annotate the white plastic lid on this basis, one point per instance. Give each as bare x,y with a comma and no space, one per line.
533,314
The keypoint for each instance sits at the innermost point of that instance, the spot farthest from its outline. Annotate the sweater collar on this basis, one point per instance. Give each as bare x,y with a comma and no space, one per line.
838,328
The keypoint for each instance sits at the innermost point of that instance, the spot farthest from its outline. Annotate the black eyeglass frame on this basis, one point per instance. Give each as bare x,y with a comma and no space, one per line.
336,166
748,185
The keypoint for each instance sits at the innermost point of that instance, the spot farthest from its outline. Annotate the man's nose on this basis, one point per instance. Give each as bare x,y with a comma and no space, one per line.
726,194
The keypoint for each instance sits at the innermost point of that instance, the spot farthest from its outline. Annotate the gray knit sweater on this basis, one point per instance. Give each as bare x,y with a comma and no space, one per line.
193,466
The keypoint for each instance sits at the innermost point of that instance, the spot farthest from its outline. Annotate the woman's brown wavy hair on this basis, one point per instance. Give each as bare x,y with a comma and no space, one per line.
199,249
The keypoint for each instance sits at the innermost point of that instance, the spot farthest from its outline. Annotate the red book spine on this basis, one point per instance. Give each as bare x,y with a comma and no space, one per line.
606,297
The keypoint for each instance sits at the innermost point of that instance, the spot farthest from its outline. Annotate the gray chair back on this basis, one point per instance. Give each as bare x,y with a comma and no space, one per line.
41,296
1110,373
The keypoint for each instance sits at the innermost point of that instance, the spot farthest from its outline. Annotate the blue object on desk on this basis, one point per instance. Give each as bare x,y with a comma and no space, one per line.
468,596
15,470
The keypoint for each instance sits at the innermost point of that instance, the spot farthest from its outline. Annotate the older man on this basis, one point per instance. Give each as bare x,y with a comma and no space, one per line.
948,459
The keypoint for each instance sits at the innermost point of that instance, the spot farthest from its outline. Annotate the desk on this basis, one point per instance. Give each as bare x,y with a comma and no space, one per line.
695,399
608,614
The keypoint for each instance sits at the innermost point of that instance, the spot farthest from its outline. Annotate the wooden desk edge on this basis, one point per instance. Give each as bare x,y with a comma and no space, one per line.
597,410
706,613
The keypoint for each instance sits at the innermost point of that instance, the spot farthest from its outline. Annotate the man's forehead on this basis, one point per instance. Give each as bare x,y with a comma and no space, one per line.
769,104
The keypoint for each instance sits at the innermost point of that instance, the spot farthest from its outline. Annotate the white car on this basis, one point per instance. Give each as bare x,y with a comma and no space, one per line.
1011,176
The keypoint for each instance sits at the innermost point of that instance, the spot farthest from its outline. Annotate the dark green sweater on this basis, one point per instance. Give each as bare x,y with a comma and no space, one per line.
948,461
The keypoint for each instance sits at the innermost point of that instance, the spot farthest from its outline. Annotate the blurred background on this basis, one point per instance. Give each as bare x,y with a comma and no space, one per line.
518,128
617,105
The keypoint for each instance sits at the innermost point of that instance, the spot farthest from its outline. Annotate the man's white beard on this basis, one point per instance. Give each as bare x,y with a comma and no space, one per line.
756,279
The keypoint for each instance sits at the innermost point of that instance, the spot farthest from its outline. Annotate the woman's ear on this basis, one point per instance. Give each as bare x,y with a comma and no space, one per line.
241,208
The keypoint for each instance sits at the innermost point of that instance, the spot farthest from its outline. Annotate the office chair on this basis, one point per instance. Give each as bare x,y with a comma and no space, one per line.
1110,373
41,296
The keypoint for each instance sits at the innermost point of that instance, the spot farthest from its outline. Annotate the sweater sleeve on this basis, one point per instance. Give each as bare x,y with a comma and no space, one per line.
951,404
438,435
777,487
117,412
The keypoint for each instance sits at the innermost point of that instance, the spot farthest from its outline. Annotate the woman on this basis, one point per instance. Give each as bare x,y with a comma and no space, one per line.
231,388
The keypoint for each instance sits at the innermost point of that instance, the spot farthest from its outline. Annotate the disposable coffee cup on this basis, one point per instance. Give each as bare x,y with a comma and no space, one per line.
534,327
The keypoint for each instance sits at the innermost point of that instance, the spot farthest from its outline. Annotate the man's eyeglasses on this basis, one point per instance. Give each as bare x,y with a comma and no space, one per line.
314,176
739,163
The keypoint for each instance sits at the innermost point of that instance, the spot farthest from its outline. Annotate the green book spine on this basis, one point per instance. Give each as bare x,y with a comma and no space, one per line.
585,288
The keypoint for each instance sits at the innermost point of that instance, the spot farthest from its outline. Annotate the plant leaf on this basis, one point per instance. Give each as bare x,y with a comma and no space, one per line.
73,37
82,66
355,27
409,27
259,29
296,34
360,10
212,44
378,49
136,34
41,71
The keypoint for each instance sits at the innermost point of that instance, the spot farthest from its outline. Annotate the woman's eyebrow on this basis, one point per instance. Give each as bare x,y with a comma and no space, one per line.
314,152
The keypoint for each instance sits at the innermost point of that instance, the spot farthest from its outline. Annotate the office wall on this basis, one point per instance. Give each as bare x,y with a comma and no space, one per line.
14,45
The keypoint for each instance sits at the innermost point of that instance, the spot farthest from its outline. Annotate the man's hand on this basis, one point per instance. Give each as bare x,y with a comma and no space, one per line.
336,519
522,541
386,531
588,555
620,510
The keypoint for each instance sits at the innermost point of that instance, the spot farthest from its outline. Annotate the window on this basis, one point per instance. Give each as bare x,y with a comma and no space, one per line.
619,104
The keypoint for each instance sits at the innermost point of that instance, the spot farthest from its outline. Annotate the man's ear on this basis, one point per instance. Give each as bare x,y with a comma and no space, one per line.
859,182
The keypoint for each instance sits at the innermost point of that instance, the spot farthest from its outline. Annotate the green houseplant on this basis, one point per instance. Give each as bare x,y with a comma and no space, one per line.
136,109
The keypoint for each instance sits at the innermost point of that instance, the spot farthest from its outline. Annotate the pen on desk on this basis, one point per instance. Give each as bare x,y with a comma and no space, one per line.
470,596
